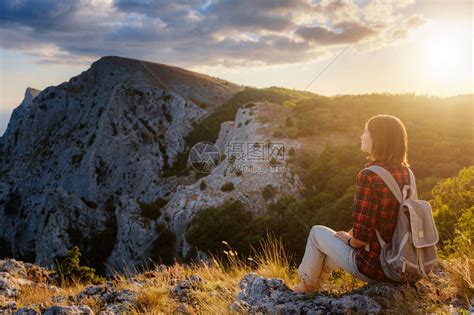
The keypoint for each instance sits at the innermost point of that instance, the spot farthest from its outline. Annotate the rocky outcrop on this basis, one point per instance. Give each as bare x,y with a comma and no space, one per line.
77,159
14,275
260,295
251,169
90,162
272,296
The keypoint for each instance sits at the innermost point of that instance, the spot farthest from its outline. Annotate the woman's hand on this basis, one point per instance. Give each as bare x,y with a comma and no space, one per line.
343,235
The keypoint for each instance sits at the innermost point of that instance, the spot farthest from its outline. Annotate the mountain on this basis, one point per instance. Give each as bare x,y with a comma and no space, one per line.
90,163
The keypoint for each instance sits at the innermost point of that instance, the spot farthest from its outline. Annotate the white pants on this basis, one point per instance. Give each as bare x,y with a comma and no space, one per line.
325,252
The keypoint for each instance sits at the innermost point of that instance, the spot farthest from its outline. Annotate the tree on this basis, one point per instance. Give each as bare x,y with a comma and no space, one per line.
69,270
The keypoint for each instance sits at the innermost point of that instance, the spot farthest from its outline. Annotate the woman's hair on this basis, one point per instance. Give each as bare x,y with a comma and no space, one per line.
389,140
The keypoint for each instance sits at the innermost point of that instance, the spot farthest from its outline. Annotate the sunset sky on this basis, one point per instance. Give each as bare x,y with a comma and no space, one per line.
422,47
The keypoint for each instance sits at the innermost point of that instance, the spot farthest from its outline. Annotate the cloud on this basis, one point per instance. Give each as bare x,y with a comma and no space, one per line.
342,33
198,32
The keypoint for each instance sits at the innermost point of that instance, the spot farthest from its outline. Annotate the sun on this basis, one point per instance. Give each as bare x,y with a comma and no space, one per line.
446,50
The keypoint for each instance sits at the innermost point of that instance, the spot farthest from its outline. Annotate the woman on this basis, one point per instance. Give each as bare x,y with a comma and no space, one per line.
375,207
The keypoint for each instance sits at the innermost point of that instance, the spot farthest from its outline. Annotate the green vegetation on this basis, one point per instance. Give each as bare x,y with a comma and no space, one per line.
208,128
273,161
439,130
453,209
268,192
229,186
328,200
202,185
13,203
152,210
70,271
96,247
162,249
229,222
5,248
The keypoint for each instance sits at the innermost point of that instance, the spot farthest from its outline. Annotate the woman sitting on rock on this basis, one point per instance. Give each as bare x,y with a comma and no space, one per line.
375,207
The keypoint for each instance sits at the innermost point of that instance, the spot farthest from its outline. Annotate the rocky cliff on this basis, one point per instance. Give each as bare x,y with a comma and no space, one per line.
80,161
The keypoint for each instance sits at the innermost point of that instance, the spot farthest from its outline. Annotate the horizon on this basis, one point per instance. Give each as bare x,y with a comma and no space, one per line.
329,48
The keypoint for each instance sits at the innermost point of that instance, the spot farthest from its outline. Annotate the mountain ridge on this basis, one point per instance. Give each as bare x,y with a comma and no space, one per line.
82,160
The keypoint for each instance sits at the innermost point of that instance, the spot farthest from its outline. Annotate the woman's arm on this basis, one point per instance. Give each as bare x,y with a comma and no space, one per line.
356,243
345,236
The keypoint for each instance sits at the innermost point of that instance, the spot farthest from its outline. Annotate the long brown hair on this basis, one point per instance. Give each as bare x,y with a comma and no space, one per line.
389,140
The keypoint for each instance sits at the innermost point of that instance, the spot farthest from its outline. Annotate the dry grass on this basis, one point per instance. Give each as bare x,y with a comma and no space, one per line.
272,260
30,295
154,300
219,287
460,266
340,282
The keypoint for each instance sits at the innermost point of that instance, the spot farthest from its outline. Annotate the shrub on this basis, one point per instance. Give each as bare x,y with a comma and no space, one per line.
202,185
289,122
278,134
453,209
162,249
229,186
110,205
268,192
273,161
152,210
69,270
229,222
5,248
13,203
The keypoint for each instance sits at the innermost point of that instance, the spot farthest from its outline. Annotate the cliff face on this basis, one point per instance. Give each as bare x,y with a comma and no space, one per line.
79,160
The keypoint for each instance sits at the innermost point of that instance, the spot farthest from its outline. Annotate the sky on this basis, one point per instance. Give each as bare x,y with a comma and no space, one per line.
351,47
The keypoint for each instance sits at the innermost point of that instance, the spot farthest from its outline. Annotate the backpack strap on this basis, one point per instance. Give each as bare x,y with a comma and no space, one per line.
389,181
413,189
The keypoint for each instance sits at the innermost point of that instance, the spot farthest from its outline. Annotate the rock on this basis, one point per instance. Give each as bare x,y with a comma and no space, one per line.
14,268
91,153
27,271
116,301
7,306
26,311
272,296
471,308
106,135
182,289
113,309
188,199
66,310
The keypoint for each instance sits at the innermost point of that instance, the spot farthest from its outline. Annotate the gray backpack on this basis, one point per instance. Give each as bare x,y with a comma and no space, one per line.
412,253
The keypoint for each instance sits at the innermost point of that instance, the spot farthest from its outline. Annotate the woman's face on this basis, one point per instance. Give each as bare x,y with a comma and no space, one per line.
366,141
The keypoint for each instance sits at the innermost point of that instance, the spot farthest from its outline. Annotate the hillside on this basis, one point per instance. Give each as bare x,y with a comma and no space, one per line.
101,162
97,162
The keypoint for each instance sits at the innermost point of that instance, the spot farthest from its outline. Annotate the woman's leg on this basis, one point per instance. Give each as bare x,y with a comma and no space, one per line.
324,252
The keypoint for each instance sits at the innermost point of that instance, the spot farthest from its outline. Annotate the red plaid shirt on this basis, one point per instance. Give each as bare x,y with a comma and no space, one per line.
375,207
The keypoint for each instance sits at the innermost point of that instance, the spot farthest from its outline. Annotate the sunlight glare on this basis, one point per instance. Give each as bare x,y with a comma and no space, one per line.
446,51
